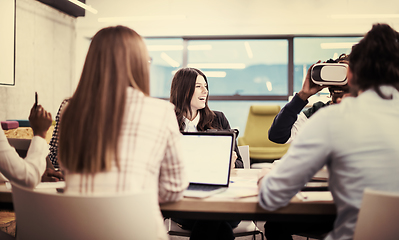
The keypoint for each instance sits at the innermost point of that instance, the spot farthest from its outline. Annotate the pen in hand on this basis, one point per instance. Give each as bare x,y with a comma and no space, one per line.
35,100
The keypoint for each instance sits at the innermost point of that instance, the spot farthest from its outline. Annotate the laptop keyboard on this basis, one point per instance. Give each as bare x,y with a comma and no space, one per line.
202,187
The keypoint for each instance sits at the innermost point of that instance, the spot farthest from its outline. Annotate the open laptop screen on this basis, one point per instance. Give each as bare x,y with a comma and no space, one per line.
207,157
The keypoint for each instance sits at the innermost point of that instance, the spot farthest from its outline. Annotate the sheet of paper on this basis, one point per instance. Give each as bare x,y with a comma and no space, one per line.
237,192
314,196
240,187
321,174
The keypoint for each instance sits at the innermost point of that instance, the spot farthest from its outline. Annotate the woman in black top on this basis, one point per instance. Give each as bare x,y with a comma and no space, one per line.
189,93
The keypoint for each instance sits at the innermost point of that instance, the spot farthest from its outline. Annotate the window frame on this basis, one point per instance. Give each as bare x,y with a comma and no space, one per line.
290,69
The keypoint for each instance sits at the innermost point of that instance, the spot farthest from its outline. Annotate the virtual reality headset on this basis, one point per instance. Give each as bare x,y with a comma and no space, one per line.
329,74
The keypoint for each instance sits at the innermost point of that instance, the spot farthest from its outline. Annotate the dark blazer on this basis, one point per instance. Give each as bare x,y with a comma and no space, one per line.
280,130
220,122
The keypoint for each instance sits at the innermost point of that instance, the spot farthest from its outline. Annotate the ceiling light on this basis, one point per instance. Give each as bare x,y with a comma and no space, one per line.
84,6
269,86
335,56
200,47
141,18
249,50
161,48
216,74
208,74
169,60
340,45
217,65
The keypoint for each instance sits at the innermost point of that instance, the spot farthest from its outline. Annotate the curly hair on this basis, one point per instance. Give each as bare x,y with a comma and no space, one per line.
374,61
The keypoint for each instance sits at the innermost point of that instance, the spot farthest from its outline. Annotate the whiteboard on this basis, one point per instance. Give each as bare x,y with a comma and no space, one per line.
7,42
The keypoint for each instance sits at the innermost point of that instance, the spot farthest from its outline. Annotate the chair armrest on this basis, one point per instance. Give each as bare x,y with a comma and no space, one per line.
241,141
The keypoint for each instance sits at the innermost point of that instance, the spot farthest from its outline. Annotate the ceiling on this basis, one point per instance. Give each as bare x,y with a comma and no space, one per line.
239,17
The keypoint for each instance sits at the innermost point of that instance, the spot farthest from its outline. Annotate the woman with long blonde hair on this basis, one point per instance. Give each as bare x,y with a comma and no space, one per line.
114,138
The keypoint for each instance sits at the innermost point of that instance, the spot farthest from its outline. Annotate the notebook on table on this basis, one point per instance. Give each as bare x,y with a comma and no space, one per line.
207,157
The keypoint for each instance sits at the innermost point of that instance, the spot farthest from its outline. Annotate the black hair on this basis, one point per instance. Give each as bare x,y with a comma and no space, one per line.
342,58
338,91
374,61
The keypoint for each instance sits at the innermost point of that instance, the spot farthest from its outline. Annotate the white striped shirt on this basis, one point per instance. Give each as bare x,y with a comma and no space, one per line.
28,171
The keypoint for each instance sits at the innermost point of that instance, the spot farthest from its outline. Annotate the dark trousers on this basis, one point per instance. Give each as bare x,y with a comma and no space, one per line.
285,230
208,229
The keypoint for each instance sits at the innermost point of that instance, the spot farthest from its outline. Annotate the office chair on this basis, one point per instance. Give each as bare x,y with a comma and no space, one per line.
260,118
244,152
245,228
378,216
44,215
313,235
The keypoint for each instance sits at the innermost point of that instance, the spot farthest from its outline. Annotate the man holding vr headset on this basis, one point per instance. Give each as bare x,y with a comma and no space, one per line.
331,74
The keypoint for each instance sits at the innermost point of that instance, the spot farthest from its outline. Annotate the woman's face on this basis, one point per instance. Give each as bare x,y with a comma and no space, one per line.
198,101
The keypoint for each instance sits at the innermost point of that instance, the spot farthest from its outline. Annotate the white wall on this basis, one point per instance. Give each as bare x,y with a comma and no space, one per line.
45,57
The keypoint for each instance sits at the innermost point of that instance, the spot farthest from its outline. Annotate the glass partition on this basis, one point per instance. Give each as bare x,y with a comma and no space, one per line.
242,67
167,57
308,50
243,72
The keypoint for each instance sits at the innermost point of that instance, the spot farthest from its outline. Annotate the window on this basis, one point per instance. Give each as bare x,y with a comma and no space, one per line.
236,68
167,57
243,72
308,50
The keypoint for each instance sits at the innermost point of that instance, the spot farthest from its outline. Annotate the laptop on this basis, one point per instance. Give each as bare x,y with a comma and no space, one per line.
207,157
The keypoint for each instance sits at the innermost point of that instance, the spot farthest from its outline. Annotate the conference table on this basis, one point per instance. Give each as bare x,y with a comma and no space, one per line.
239,202
242,204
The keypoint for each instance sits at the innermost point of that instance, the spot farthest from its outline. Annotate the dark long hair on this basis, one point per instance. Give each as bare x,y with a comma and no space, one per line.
91,122
181,93
374,61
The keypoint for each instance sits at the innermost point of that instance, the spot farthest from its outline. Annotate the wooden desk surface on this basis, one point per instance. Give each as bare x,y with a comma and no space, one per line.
248,208
27,133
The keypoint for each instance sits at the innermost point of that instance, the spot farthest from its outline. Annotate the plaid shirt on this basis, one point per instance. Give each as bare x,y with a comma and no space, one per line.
149,156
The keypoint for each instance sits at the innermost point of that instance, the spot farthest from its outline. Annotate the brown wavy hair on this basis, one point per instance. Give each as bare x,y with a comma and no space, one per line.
181,93
374,61
91,123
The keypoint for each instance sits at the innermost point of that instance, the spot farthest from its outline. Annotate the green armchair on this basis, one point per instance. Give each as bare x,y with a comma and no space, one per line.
260,118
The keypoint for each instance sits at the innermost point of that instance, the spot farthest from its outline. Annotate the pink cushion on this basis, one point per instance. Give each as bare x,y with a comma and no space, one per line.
6,125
